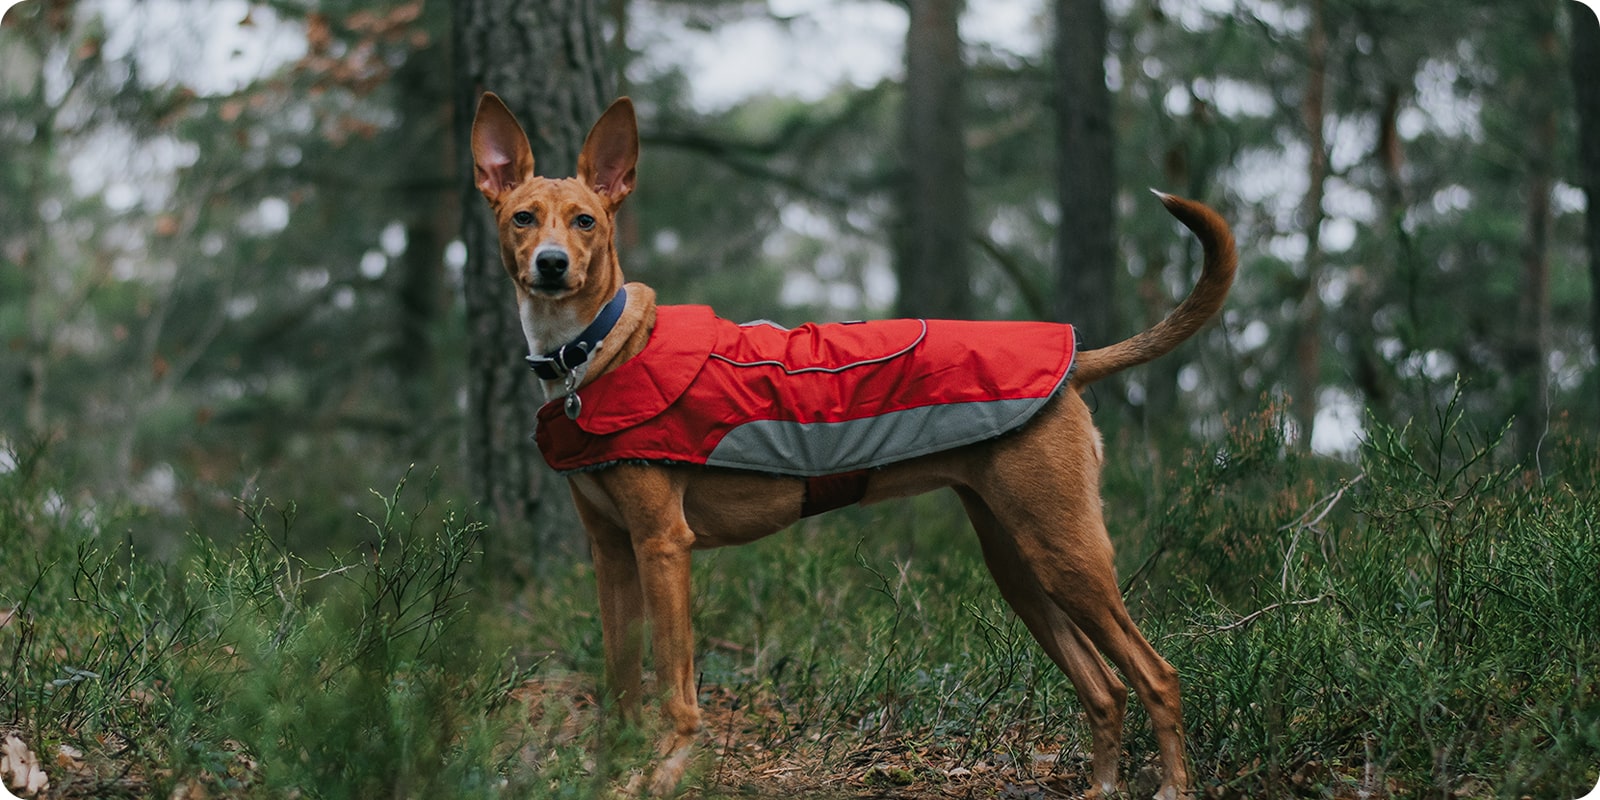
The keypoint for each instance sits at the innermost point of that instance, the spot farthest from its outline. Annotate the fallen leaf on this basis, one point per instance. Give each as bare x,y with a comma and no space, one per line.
19,768
189,790
69,758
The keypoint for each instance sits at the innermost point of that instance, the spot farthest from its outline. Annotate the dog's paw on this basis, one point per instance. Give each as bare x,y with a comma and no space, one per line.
630,789
669,771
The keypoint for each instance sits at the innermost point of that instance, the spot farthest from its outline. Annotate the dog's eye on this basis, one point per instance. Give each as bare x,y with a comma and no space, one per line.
583,222
522,219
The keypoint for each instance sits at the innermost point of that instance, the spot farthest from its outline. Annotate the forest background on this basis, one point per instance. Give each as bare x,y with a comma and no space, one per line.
241,258
234,253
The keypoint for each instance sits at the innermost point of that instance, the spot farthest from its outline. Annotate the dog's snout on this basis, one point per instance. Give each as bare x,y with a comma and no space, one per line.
550,264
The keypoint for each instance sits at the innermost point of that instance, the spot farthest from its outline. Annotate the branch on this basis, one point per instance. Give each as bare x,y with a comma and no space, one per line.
1255,615
1300,524
1032,296
749,156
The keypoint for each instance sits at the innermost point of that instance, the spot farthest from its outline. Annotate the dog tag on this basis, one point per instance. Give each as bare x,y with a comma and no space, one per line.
572,406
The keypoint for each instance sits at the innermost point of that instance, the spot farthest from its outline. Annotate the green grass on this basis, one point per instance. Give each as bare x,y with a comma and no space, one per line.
1432,625
1421,623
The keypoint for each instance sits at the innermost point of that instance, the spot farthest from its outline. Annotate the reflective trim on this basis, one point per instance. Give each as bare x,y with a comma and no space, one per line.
825,448
831,370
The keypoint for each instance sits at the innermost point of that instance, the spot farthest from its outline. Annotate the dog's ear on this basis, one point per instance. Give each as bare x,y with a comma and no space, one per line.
611,152
501,157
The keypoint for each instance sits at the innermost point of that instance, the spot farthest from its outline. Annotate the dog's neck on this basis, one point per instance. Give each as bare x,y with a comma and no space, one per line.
557,363
548,326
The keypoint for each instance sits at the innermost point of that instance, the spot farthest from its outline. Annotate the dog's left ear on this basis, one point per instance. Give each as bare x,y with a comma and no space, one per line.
611,152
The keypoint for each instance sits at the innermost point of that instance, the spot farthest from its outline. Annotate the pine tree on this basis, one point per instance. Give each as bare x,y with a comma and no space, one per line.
547,61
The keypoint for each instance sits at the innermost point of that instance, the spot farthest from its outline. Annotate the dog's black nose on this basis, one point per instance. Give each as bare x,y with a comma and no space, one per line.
551,264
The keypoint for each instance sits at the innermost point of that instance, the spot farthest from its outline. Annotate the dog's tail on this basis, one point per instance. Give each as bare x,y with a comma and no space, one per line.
1216,275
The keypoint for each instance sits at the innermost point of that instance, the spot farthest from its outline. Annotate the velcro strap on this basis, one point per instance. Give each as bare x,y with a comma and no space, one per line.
828,492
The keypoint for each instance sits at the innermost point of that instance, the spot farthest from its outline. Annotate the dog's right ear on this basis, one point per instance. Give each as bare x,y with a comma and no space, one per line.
501,157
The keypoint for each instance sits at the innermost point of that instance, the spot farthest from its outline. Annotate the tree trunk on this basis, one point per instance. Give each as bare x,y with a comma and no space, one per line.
1305,347
546,60
431,215
28,235
1086,244
1189,166
1585,64
1531,343
1372,373
932,239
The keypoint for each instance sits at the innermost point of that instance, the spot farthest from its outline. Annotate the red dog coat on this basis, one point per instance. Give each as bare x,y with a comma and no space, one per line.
818,400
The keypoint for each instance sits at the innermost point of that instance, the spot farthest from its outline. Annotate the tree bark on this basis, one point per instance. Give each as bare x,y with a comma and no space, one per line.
1372,374
431,215
1086,249
1585,65
1531,344
1306,330
933,238
546,60
27,234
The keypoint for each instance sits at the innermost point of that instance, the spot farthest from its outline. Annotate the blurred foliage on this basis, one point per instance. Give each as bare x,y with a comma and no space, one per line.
225,276
227,231
228,269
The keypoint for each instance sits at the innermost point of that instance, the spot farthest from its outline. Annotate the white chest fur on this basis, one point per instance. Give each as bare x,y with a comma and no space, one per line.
547,329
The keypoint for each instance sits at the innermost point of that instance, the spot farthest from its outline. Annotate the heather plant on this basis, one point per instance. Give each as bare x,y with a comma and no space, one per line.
1418,622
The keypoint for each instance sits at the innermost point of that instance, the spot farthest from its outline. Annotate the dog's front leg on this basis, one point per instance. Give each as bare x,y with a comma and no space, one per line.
616,573
664,562
648,502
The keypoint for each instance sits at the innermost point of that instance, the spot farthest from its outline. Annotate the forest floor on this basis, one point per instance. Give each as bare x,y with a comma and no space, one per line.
1419,624
747,756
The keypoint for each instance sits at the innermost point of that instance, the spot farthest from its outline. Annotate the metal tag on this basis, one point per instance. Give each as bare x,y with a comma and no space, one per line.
572,406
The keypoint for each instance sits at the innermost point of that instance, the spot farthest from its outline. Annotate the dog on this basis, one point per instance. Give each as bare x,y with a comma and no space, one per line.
1032,494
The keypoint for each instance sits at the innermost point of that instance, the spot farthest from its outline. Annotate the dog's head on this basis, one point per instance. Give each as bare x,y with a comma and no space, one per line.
556,235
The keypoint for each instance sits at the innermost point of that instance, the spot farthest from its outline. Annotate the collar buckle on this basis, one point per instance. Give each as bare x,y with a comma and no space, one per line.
559,363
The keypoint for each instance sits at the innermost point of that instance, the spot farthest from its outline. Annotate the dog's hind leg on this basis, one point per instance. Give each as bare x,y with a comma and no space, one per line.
1095,604
1104,698
1071,558
1044,490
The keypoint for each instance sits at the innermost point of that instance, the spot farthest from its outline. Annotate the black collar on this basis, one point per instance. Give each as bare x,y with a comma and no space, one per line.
560,362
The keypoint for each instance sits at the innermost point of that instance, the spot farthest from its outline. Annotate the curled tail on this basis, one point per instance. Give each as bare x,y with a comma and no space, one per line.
1221,260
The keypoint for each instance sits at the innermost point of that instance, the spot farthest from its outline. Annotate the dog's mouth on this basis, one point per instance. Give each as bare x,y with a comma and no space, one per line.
552,289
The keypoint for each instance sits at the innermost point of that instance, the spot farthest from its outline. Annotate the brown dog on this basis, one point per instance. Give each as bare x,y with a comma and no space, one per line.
1033,495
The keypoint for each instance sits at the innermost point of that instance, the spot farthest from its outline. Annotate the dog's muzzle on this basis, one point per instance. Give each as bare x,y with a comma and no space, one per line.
550,267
